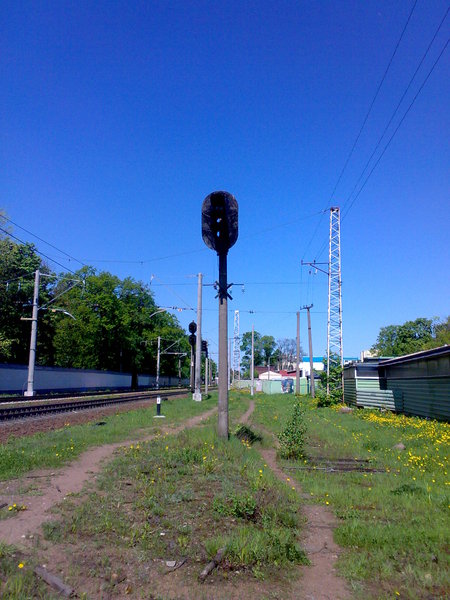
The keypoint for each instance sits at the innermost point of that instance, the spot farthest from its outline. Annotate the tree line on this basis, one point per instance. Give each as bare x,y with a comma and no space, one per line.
114,326
280,354
412,336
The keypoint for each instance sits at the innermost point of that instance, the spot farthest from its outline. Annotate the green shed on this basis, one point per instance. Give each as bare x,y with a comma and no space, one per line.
420,382
362,386
416,384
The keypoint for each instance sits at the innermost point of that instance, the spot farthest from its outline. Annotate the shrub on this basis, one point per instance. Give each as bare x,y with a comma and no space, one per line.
324,399
292,438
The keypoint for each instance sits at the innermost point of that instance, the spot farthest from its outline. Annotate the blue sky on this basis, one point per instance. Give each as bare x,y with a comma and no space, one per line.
118,118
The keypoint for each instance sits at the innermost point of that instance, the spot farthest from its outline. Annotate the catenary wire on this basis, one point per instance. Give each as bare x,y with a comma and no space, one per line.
38,251
380,139
397,128
45,241
373,101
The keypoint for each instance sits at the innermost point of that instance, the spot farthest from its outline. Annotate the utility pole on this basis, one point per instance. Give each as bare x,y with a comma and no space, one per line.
252,366
236,348
206,376
158,358
297,370
33,339
230,374
311,358
198,348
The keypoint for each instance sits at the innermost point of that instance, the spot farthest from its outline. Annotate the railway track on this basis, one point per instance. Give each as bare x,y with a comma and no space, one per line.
24,409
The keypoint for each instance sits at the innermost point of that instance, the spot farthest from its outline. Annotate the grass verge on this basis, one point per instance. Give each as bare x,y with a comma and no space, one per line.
392,504
172,499
52,450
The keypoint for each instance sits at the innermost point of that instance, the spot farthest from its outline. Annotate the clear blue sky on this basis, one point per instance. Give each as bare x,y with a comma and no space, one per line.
118,118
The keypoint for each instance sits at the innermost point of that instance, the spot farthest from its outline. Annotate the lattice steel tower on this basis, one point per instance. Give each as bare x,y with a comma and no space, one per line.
334,333
236,348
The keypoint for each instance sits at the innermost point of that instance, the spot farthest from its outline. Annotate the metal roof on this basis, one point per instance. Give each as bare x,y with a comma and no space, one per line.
433,353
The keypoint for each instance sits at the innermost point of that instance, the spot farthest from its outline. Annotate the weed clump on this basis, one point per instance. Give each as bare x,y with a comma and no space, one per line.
324,399
245,433
292,438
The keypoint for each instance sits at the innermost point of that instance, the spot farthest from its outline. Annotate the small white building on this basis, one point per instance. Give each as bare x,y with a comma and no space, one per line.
270,375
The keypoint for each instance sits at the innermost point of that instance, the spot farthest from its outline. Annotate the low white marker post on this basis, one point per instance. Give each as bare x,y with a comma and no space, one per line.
158,409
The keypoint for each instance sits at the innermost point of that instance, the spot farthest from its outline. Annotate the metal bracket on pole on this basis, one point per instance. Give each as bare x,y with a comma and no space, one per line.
222,293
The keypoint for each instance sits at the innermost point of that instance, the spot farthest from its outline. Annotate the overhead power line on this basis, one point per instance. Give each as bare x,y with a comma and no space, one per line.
45,241
397,128
37,251
373,101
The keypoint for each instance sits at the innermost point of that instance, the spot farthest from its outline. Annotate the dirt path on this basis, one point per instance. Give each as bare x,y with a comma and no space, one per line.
55,485
319,581
248,413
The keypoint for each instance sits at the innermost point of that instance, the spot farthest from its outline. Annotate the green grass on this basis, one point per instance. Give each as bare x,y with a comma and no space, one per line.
190,495
17,581
394,523
52,450
175,497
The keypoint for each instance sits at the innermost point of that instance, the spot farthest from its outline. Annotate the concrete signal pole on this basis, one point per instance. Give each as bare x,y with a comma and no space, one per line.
198,348
220,233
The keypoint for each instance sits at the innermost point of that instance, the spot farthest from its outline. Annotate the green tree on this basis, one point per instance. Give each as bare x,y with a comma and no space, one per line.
334,381
269,349
265,350
18,263
397,340
246,348
116,328
441,335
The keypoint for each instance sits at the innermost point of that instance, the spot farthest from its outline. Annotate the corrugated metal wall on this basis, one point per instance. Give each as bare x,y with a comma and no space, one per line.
404,388
424,397
350,392
370,395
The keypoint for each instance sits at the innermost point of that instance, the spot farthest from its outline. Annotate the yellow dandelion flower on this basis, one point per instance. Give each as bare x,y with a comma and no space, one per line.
20,565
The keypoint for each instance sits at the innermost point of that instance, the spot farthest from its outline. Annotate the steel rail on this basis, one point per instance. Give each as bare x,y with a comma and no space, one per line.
29,409
76,394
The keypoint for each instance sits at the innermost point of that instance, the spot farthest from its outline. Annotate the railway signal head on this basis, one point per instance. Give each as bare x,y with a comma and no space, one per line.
220,221
205,347
192,327
192,339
